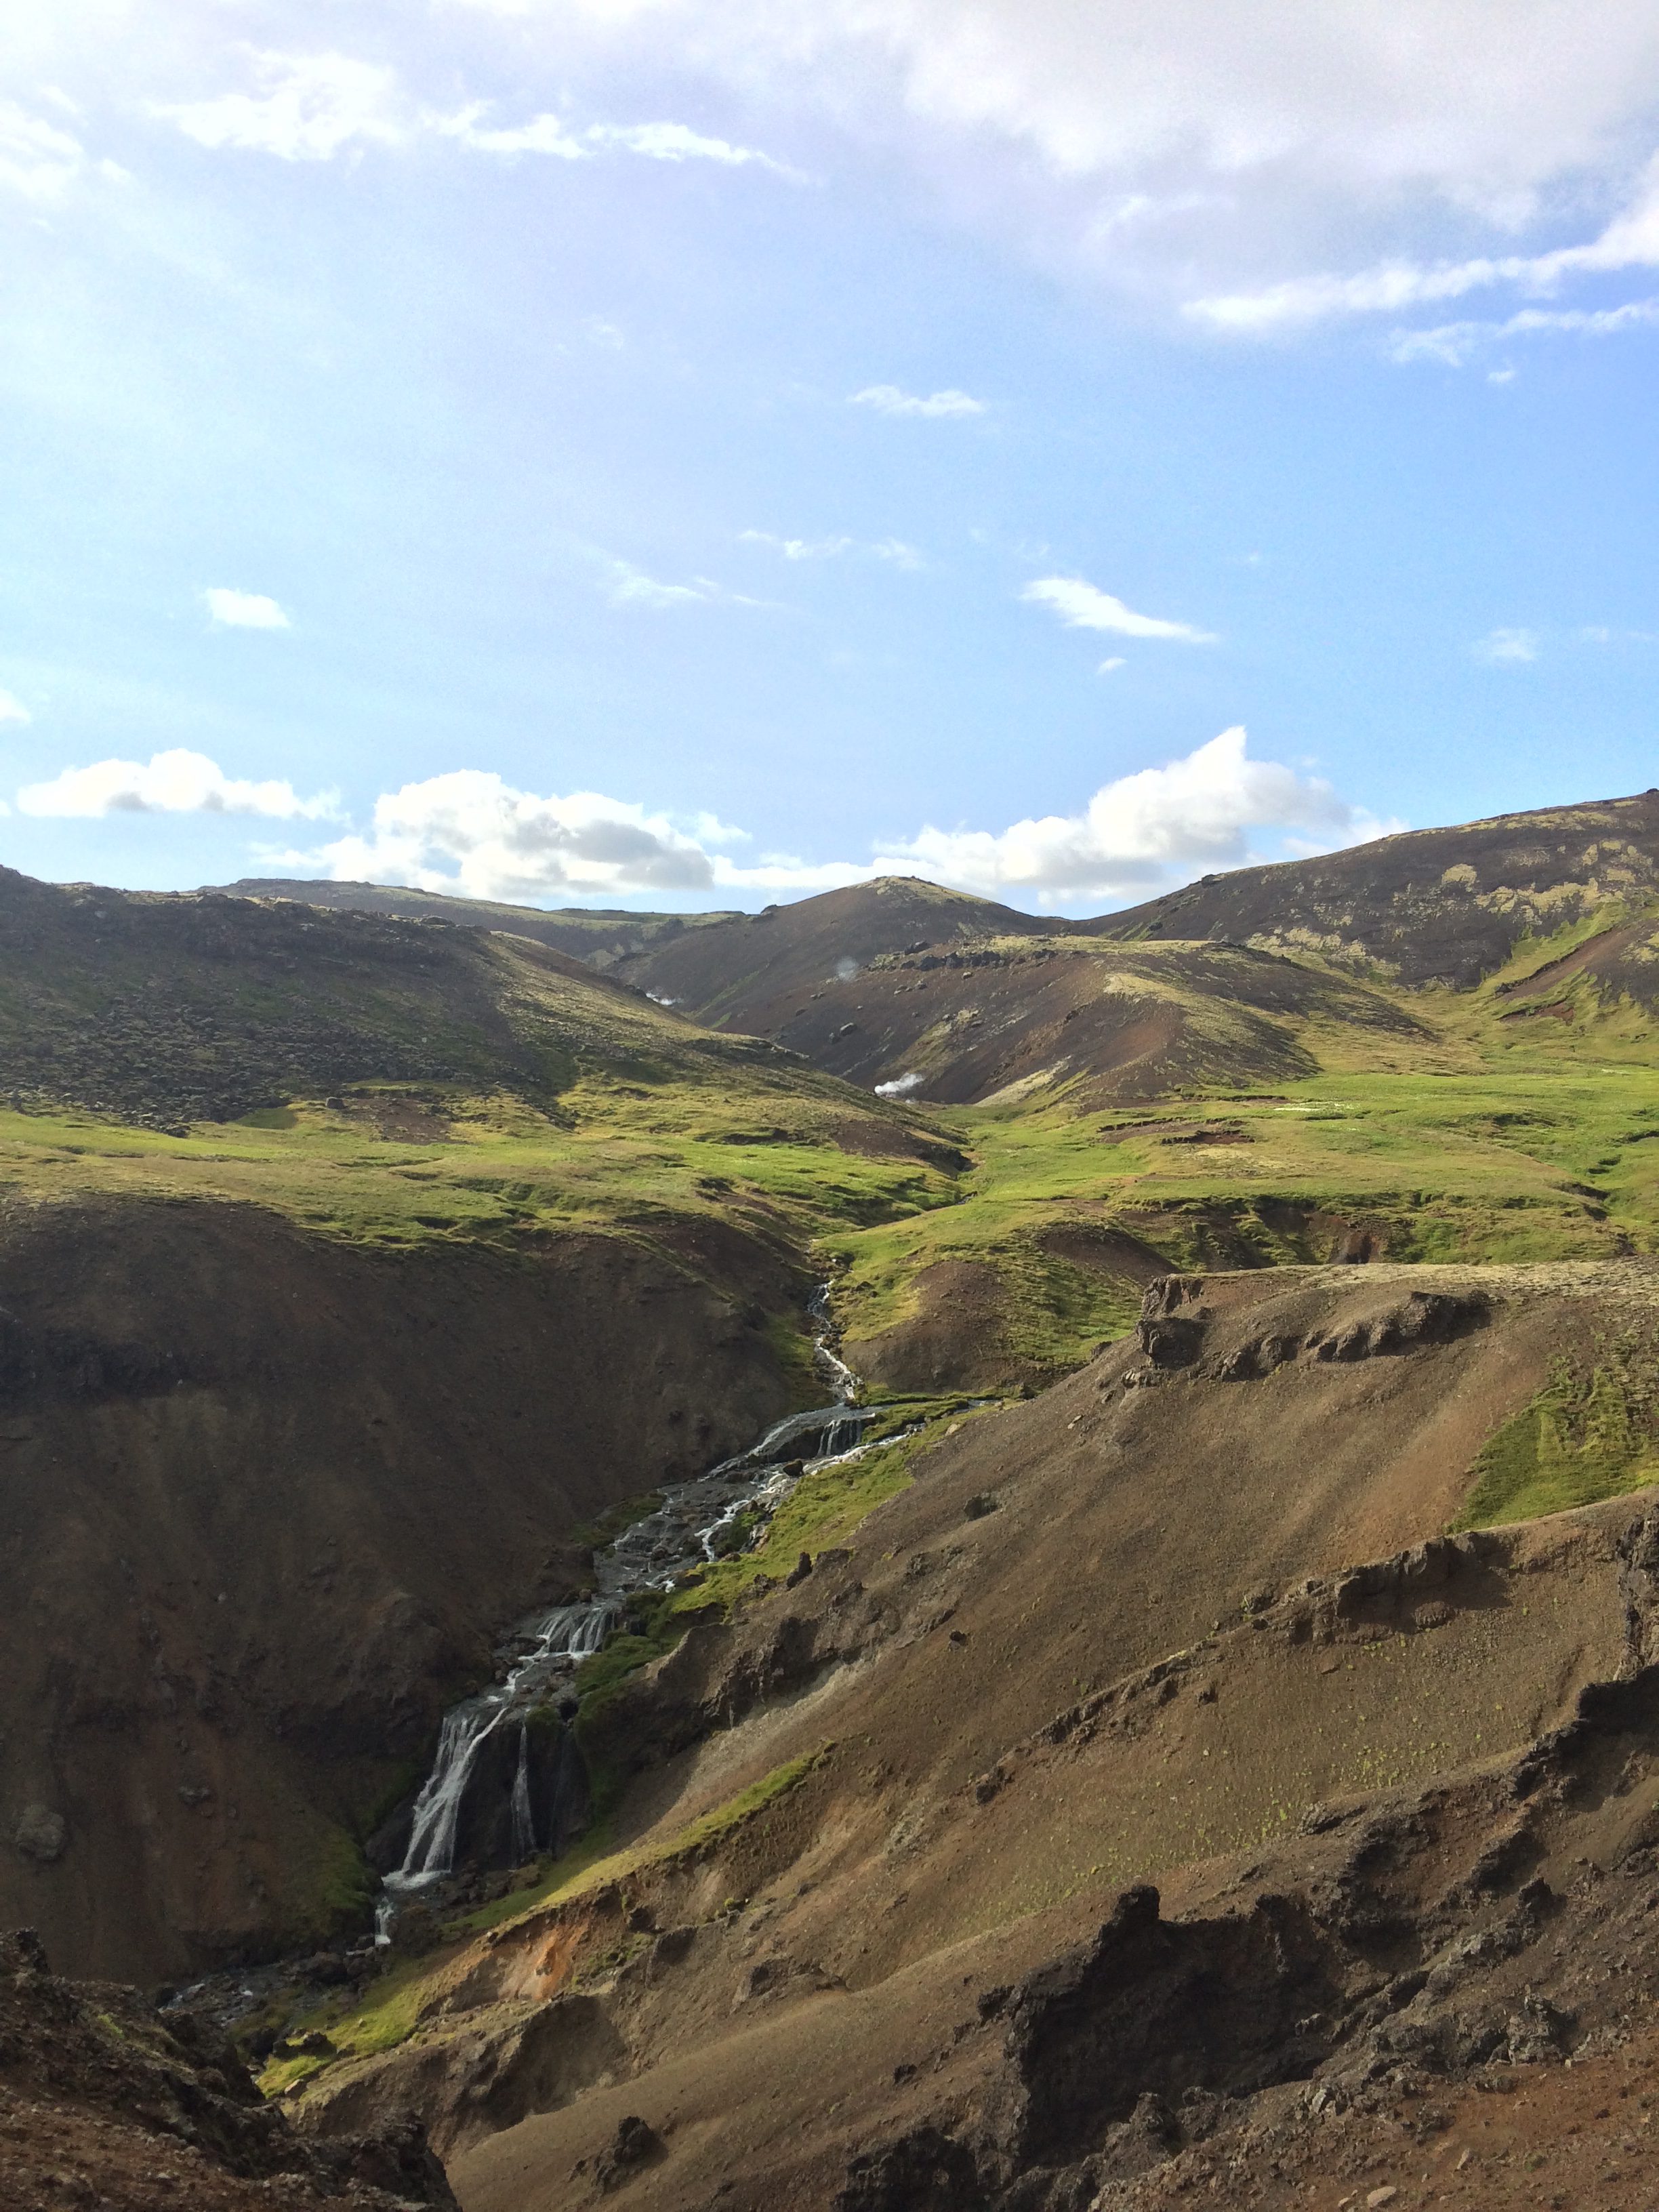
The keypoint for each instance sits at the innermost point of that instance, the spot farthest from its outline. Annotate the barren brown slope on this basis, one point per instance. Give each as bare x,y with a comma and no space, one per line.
1106,1636
751,972
267,1503
1431,906
963,1025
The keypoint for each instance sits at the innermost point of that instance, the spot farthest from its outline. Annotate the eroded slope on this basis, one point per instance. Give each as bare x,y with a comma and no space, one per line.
1114,1636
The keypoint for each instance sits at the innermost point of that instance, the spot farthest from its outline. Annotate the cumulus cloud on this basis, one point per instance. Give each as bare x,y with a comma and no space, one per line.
37,158
1206,152
308,108
234,610
12,709
1500,647
176,782
890,399
474,833
1143,830
1081,605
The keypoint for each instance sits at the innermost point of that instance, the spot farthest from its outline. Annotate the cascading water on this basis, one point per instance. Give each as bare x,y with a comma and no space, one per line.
688,1530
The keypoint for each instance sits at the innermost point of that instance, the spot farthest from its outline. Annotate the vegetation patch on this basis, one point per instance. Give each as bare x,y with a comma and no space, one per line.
1585,1437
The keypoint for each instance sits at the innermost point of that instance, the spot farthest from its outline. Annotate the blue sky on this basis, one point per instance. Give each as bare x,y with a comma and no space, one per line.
653,452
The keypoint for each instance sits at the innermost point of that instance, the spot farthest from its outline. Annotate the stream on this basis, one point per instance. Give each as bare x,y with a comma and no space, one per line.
690,1528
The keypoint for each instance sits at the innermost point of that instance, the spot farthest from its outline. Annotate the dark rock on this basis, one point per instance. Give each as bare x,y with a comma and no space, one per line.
926,2171
635,2144
40,1834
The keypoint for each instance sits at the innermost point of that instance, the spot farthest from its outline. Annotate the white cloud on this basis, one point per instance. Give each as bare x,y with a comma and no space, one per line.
1106,666
652,141
796,549
901,1086
1144,829
473,833
12,709
1186,148
36,158
543,134
177,782
1500,646
1081,605
309,107
1630,241
889,399
631,586
891,550
234,610
674,141
470,832
1454,343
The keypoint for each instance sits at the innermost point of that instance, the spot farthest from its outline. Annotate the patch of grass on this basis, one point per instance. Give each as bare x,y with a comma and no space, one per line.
333,1892
592,1867
379,2021
1585,1437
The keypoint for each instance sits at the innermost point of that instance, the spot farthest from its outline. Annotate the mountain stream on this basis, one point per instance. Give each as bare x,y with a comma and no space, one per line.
690,1528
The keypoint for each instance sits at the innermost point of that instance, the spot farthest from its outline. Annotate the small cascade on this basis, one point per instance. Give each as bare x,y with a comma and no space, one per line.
691,1527
524,1819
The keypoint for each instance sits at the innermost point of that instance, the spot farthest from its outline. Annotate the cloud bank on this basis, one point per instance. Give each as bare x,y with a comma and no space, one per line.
472,833
177,782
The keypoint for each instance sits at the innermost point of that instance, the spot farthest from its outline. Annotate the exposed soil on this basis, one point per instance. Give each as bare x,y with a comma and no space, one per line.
266,1503
1113,1637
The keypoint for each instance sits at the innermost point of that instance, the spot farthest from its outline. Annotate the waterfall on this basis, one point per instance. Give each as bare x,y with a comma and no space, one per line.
523,1818
651,1555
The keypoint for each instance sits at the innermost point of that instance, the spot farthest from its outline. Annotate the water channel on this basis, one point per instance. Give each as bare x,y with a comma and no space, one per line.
694,1525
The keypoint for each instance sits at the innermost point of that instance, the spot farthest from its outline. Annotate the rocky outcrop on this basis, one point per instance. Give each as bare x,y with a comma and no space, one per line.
103,2097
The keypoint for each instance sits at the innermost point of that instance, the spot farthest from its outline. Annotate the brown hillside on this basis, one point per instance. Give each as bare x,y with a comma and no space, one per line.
266,1503
1114,1636
963,1025
750,972
1432,906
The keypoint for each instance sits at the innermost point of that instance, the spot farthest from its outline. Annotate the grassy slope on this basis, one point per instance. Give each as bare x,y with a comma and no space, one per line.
1497,1139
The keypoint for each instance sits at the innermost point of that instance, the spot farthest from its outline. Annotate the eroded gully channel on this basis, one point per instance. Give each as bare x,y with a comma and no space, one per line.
695,1524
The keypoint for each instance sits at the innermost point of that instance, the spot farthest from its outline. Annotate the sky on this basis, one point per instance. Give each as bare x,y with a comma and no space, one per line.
688,453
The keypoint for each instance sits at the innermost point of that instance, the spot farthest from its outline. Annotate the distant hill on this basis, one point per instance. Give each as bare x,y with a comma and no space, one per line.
598,935
1430,906
990,1018
750,971
163,1008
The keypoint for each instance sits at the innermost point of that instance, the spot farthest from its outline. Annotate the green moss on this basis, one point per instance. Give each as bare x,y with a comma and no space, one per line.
334,1891
1583,1438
